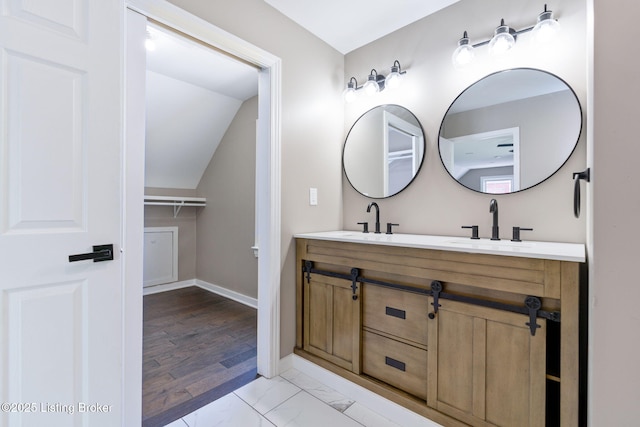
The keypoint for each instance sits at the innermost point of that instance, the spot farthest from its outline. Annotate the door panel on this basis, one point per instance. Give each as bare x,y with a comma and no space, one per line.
60,194
45,146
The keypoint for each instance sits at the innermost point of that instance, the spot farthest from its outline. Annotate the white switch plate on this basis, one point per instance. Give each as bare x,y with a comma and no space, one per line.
313,196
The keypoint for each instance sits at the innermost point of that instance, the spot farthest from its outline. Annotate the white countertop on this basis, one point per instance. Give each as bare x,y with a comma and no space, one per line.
526,249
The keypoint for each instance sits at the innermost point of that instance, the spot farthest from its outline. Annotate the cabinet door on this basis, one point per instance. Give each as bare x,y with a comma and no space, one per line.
332,321
485,368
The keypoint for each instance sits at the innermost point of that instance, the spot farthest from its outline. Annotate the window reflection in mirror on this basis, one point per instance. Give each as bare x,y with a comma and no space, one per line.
383,151
510,131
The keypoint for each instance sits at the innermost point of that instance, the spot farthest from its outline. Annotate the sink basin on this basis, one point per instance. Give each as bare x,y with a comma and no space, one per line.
486,243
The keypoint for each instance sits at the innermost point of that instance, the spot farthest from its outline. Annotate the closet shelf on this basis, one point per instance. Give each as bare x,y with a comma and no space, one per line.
175,201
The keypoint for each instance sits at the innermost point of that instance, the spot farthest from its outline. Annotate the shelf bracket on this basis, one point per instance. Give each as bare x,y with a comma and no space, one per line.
176,209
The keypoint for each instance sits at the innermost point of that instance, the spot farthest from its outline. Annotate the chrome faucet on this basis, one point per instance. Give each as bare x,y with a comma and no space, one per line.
375,205
493,208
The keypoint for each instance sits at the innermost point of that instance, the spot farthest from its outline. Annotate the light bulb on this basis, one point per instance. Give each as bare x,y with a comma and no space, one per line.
349,94
393,80
546,28
502,40
464,53
371,86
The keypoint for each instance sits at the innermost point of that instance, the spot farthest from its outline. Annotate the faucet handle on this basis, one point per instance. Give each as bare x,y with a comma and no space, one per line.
474,231
389,225
516,233
365,226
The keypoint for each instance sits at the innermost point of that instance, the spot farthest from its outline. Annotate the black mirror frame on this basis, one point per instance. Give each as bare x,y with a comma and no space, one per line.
424,150
575,145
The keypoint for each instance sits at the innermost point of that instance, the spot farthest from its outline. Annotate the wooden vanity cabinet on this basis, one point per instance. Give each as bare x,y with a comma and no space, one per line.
485,367
467,364
332,321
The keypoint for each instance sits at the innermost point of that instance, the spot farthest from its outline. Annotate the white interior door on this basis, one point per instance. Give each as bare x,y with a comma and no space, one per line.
61,326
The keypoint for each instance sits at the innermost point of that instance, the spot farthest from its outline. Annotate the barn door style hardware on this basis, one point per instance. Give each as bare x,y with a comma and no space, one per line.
530,308
354,276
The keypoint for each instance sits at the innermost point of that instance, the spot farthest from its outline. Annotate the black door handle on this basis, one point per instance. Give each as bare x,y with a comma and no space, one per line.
100,253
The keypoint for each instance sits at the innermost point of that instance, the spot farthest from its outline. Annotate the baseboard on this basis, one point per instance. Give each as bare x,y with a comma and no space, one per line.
367,398
165,287
227,293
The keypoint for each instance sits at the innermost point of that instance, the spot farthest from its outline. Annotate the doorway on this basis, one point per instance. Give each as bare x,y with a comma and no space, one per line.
200,141
268,245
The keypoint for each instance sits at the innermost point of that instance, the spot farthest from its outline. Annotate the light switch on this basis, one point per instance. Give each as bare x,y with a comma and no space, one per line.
313,196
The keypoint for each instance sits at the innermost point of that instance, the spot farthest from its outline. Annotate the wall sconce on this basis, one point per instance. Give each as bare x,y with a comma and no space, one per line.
504,38
375,82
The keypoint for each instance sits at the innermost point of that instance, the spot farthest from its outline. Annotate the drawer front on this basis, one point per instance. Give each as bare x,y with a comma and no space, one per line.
401,365
396,312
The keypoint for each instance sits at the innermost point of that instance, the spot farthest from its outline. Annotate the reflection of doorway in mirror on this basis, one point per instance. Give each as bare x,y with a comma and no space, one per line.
403,144
488,162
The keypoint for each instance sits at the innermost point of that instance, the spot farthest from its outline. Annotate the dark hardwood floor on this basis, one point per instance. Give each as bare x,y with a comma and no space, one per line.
198,346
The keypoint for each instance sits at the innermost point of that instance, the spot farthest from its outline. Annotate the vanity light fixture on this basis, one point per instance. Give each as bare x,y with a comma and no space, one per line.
394,79
464,53
375,82
349,93
505,37
546,28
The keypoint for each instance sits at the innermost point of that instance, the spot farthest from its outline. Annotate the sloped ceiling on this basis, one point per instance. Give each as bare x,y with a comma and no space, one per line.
193,94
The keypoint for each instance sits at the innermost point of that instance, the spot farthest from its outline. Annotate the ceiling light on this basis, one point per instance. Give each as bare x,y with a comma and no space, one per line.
149,42
394,79
464,54
503,39
546,28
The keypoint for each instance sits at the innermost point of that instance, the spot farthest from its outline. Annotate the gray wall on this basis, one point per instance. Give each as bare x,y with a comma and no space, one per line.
434,203
614,232
162,216
312,126
226,227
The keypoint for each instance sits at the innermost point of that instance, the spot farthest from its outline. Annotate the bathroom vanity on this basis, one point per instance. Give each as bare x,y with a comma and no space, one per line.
464,332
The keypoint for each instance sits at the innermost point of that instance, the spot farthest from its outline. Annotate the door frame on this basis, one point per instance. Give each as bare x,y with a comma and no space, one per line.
268,189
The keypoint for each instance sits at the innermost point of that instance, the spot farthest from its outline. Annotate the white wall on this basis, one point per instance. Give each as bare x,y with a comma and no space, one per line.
185,124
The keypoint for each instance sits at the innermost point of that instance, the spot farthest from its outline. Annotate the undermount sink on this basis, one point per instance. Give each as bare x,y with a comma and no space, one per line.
487,243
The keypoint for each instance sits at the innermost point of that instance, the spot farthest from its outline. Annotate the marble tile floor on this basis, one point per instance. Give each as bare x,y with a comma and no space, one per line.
291,399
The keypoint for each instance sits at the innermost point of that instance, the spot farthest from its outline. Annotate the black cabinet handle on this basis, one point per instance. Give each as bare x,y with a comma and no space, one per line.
395,363
395,312
100,253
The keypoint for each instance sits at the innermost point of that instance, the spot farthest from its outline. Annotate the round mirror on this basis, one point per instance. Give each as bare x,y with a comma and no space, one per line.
510,131
383,151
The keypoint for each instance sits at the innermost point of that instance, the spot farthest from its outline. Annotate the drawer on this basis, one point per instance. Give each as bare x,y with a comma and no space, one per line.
401,365
396,312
